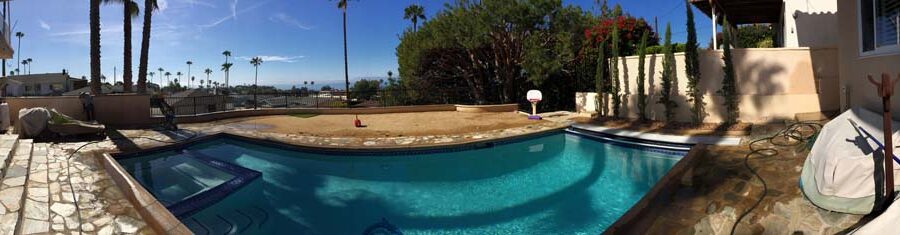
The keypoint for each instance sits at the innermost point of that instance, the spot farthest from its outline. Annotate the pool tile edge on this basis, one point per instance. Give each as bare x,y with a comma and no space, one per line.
152,211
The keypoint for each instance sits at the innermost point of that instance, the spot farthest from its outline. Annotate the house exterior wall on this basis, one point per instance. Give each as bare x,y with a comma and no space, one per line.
857,91
773,84
809,23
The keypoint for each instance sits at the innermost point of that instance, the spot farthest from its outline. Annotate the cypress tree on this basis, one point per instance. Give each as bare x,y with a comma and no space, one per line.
601,70
729,87
642,96
668,76
614,71
692,70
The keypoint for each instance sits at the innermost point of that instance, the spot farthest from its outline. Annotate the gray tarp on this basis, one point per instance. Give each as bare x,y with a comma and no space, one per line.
32,121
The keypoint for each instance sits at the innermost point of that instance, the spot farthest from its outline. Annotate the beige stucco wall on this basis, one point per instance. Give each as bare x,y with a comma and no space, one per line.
773,83
810,23
117,110
854,68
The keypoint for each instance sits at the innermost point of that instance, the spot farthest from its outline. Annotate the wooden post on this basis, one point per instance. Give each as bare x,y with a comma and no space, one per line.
886,90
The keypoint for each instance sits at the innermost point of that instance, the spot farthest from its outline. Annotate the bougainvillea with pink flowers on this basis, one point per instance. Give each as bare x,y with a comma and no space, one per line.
630,31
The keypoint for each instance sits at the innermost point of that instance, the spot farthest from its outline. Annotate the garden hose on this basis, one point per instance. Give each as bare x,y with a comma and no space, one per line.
792,135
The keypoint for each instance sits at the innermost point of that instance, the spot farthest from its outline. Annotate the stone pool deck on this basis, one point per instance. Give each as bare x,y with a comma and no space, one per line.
720,189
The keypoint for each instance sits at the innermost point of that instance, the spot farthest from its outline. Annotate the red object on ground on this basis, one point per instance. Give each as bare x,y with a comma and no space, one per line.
357,122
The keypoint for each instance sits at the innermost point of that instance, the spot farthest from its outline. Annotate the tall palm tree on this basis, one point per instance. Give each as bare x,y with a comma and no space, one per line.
151,73
256,61
149,7
225,68
227,54
207,71
189,63
191,82
130,11
95,46
29,65
414,13
19,49
167,77
342,4
25,63
179,75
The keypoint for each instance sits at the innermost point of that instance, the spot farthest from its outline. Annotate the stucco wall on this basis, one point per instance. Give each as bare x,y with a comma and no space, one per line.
117,110
854,68
810,23
773,84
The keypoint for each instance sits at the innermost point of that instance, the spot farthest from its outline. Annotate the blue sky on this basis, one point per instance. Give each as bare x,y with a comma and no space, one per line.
300,40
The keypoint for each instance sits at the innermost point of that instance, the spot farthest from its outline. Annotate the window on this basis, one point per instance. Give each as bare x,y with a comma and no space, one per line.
879,26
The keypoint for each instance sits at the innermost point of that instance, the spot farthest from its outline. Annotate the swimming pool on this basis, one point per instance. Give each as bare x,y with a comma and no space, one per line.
558,183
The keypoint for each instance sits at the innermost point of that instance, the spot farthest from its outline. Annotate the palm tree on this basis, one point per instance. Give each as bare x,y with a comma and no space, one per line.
95,46
189,63
256,61
191,82
414,13
130,11
149,7
226,69
342,4
179,75
25,63
151,75
19,49
29,64
201,83
207,71
167,77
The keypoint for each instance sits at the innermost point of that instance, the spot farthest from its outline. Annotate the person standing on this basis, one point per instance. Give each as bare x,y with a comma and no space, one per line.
87,103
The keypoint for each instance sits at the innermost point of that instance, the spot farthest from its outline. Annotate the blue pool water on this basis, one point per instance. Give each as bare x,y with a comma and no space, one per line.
556,184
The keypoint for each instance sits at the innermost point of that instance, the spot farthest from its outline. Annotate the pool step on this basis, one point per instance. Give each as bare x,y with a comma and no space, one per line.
238,221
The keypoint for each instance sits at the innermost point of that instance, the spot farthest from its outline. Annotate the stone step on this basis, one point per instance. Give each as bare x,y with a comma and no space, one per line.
35,215
12,188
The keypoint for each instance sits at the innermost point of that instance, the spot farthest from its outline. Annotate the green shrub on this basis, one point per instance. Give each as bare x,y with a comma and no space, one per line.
658,49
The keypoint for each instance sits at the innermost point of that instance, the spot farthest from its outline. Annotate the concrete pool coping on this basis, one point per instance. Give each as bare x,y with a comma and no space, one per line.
662,191
650,136
151,210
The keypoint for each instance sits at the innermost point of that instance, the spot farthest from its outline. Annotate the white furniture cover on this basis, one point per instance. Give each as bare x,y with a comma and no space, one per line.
841,167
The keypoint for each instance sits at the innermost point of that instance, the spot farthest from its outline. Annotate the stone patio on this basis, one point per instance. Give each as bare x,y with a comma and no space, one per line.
721,188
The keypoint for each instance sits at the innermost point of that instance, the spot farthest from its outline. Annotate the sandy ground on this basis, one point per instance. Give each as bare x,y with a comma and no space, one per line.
386,125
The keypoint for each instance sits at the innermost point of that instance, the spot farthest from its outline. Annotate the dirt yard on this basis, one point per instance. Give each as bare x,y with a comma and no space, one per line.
385,125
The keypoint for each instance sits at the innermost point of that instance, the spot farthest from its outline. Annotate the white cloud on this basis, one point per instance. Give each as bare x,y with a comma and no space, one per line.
286,19
162,4
234,13
274,58
201,3
44,25
234,9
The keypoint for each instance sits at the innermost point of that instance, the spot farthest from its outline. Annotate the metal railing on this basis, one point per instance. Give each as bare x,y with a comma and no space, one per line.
203,104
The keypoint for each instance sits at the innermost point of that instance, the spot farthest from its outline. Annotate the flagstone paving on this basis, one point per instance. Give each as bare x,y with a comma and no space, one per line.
720,188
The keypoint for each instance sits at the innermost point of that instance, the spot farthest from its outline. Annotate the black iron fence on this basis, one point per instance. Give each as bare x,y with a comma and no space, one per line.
210,103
